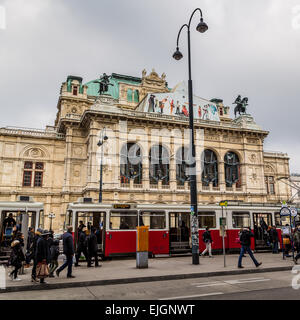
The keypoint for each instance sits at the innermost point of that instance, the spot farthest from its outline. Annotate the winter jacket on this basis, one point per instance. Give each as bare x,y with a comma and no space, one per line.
297,238
17,256
92,243
68,244
42,250
245,238
274,235
82,240
54,252
207,237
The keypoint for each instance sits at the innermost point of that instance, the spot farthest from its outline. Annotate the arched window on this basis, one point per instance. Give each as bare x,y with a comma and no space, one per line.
131,163
232,169
136,96
182,166
159,165
129,95
209,168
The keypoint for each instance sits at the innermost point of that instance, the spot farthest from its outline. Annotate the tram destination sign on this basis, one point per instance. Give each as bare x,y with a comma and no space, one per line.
122,206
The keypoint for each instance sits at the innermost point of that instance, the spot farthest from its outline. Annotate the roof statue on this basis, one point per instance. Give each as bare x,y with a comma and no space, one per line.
241,105
104,83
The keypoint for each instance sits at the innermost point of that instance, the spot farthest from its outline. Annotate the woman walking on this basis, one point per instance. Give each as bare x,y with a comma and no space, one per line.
16,259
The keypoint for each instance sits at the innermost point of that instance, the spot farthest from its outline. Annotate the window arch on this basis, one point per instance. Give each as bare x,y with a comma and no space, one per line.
209,168
182,165
232,169
129,95
131,163
136,96
159,165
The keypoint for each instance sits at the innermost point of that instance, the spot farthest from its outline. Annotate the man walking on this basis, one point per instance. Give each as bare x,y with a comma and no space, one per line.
69,253
37,236
208,241
245,240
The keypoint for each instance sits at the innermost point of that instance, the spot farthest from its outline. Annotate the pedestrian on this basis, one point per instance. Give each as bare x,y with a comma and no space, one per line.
206,237
69,252
16,259
274,239
42,255
286,241
245,239
38,234
92,248
82,246
29,255
54,254
297,243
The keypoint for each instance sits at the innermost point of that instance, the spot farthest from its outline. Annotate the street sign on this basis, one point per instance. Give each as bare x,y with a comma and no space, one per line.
223,203
294,212
285,211
223,222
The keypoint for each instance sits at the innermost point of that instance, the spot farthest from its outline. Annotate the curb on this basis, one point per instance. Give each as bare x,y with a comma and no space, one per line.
65,285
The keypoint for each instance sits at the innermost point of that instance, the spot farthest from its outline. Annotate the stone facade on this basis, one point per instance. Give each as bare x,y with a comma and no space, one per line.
70,154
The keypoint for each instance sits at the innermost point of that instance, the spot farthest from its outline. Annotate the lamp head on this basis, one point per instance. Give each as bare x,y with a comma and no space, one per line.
202,26
99,144
105,138
177,55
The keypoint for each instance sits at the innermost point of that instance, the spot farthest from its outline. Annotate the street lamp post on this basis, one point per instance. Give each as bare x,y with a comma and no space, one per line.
103,138
51,217
201,27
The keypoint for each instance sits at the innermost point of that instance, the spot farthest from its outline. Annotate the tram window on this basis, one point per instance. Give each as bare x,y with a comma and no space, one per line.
277,219
42,219
207,219
69,219
153,220
240,220
123,220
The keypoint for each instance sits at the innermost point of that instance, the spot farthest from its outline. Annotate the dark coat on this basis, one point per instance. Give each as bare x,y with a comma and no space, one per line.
92,243
245,238
207,237
68,244
82,242
274,235
30,239
54,252
42,250
17,256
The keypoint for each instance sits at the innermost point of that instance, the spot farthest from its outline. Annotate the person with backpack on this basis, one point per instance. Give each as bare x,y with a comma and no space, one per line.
245,240
16,259
54,254
206,237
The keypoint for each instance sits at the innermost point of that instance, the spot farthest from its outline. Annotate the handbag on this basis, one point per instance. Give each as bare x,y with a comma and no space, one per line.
42,270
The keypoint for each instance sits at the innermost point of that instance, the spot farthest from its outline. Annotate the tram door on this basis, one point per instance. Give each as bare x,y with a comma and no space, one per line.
179,231
262,222
95,220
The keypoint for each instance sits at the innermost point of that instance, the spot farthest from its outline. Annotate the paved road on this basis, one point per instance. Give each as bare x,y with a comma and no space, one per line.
270,286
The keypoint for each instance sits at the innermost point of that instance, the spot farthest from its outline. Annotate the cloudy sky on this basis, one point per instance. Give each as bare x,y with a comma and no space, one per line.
252,48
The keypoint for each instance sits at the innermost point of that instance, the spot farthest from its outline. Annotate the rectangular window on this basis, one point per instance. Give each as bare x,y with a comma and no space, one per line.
240,220
75,91
27,178
270,185
207,219
277,219
39,166
126,220
154,220
38,179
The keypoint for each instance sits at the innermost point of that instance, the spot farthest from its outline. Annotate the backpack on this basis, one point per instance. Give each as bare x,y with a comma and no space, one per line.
244,237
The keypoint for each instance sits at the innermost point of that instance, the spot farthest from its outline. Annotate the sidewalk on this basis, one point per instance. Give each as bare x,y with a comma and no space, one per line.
125,271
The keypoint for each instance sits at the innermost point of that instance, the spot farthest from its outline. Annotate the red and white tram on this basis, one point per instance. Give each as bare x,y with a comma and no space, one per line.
169,225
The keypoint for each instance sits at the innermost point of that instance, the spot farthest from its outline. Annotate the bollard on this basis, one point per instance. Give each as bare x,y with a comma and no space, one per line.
142,247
